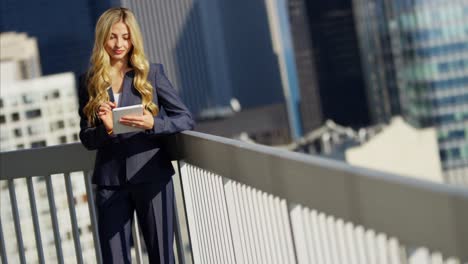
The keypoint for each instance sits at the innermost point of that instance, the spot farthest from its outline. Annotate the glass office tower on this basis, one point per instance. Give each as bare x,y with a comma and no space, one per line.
415,56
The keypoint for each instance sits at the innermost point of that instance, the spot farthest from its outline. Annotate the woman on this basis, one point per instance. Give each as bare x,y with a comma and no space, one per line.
132,170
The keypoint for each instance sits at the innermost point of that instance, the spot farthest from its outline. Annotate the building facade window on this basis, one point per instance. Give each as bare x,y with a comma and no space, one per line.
18,132
63,139
15,116
30,114
38,144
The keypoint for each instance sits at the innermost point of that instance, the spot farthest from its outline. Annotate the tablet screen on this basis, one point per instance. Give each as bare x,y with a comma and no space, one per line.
118,112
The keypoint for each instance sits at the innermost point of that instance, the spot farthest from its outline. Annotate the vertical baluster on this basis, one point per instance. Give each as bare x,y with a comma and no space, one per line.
340,233
267,228
192,215
299,233
238,228
92,214
213,215
182,232
382,248
272,214
196,190
53,216
14,210
208,222
253,224
260,225
436,258
203,220
317,242
370,243
35,219
233,227
394,251
359,241
74,222
330,225
244,221
227,235
280,229
290,247
2,245
307,216
179,250
189,253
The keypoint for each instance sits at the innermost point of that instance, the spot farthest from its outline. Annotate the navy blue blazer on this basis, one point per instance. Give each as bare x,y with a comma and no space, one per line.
135,157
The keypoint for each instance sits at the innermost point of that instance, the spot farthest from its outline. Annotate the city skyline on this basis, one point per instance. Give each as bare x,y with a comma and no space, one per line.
415,55
392,78
404,57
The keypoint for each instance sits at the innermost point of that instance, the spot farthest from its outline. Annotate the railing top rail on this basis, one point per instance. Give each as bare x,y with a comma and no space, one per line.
45,161
73,156
315,160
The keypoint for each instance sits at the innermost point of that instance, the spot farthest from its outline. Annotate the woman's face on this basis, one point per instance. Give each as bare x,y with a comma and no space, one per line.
119,44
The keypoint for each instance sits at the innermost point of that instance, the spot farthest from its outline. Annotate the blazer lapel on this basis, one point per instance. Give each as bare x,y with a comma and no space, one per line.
130,96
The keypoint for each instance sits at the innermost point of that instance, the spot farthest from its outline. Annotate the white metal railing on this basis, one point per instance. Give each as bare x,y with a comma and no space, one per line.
57,183
62,174
230,222
254,204
245,203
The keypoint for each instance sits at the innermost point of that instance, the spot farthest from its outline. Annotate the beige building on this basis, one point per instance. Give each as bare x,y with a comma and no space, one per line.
19,56
402,149
39,112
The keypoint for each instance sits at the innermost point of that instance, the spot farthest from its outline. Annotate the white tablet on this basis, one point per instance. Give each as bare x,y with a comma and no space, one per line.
118,112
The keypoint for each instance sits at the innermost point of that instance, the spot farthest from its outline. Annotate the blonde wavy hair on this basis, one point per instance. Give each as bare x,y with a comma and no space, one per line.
98,76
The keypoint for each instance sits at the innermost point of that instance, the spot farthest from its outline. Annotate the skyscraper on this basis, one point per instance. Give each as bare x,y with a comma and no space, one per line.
429,47
376,34
310,104
337,62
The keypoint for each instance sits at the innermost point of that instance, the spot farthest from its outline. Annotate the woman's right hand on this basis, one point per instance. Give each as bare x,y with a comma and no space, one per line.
105,114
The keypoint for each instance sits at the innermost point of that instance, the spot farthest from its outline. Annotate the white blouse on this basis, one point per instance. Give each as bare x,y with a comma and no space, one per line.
116,98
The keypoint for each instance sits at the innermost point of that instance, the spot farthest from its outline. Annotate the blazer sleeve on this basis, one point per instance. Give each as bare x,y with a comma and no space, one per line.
91,137
176,117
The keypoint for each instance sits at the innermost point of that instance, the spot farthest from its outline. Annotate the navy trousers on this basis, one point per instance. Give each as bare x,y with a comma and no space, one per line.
154,205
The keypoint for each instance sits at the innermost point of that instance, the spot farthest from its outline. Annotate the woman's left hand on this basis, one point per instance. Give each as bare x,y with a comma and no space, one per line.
146,121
